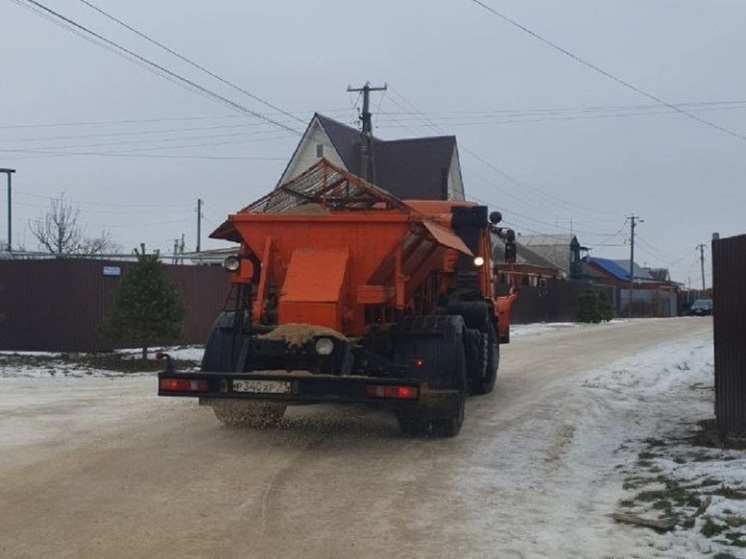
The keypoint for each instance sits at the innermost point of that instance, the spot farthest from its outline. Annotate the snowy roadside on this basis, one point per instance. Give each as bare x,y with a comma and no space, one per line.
45,364
34,364
31,364
689,495
634,423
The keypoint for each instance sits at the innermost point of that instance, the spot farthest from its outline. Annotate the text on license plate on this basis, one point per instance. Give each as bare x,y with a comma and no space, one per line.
262,386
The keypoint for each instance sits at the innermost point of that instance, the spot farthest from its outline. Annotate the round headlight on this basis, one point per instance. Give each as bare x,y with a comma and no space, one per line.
324,346
232,263
479,261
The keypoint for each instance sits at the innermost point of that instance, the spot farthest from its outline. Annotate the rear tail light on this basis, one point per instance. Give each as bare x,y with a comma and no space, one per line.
182,385
393,392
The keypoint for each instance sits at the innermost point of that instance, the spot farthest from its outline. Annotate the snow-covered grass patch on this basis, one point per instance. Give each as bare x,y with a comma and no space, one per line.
536,328
677,480
80,365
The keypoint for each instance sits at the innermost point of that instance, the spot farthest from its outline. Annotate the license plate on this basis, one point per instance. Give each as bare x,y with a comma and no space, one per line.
262,386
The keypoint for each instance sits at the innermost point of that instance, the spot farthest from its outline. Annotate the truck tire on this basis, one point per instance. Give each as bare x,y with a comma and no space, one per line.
248,413
445,368
223,347
449,425
484,381
483,356
413,423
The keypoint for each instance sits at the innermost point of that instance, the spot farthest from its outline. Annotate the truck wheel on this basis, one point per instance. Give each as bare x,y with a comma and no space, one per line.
484,353
450,426
484,383
223,347
438,342
256,413
413,424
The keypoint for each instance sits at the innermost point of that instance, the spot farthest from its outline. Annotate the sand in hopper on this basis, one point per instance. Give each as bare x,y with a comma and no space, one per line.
307,209
295,335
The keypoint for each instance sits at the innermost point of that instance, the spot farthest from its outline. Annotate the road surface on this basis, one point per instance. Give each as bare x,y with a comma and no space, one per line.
102,468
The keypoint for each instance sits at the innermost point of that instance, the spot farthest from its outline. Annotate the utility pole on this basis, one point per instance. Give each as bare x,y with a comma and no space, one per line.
633,220
199,223
702,263
367,166
8,173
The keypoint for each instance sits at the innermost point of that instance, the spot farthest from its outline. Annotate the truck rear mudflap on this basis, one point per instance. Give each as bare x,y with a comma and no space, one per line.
300,387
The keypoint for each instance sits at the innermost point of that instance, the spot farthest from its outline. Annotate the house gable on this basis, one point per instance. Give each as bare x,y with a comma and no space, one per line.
563,250
308,151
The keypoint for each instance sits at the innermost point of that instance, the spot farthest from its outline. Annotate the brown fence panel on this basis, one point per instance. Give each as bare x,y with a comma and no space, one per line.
58,304
557,302
729,295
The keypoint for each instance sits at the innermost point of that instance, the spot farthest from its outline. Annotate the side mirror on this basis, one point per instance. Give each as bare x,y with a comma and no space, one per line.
495,218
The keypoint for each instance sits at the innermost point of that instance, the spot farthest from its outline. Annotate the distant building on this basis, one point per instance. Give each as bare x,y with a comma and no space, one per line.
650,296
562,252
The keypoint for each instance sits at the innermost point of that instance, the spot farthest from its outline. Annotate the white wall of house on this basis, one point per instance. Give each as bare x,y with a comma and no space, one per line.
455,184
306,154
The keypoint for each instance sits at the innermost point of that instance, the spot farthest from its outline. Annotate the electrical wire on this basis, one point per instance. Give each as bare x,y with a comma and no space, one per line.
159,69
140,133
191,62
510,178
608,75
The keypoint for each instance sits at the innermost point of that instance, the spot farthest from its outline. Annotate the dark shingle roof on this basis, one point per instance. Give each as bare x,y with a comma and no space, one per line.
346,141
414,168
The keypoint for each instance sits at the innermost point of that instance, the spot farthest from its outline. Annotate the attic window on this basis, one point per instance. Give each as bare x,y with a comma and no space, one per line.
319,150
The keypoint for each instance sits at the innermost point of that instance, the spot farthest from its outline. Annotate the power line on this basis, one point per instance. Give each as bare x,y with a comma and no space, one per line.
536,191
143,133
478,113
495,119
606,74
44,154
592,112
160,70
190,62
28,194
172,139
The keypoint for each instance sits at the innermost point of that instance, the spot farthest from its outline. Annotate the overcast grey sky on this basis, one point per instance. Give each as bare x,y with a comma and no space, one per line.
550,142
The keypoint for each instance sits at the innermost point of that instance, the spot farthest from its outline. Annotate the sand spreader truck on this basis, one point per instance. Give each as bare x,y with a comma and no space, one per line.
343,293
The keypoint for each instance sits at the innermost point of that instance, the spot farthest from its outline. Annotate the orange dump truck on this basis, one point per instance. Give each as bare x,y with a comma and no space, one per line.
343,293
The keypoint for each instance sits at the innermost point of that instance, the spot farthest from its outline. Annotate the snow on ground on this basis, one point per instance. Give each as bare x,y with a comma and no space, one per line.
672,471
46,364
623,426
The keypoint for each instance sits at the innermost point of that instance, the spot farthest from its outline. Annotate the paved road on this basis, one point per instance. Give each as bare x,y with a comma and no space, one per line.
101,468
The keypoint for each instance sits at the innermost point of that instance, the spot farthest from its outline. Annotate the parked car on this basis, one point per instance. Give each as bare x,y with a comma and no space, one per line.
701,307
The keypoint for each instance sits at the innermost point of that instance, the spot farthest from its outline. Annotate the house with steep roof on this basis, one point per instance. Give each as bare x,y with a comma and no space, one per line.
562,252
410,169
529,267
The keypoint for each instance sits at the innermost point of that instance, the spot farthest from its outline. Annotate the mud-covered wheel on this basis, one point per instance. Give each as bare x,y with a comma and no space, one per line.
481,342
433,346
450,426
242,413
489,350
413,424
223,348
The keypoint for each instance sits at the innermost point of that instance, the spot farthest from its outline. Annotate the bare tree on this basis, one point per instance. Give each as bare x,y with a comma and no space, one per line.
58,231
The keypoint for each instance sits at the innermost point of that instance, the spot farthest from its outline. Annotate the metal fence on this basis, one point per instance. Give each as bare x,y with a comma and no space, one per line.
729,296
59,304
556,301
